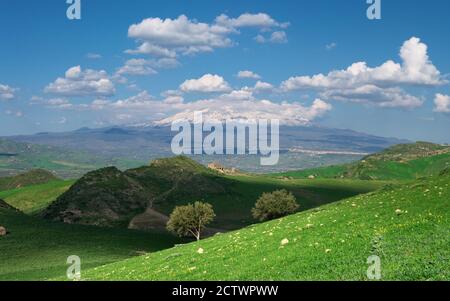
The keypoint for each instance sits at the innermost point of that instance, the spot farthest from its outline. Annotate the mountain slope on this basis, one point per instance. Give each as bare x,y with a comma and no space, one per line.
400,162
406,226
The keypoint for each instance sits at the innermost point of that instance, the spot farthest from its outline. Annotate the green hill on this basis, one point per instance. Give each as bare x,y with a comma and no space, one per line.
37,250
409,152
400,162
105,197
32,177
407,226
109,197
33,199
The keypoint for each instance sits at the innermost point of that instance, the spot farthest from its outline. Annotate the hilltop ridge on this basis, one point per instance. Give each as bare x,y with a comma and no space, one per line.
399,162
110,197
32,177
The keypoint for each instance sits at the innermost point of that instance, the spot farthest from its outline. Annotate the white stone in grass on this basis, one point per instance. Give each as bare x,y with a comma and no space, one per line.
200,251
284,242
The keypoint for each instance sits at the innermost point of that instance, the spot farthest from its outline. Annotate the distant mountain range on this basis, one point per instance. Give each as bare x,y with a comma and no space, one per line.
110,140
141,143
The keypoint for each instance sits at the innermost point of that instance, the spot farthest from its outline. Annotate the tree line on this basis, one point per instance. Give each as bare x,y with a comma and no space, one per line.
192,219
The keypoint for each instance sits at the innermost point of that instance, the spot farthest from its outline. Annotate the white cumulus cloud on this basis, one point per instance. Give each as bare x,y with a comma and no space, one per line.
171,37
136,67
248,74
442,103
262,86
371,94
238,104
7,92
261,20
381,84
279,37
206,83
154,50
416,69
78,82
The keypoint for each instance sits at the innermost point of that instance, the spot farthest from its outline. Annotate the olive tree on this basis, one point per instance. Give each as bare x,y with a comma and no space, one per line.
190,220
274,205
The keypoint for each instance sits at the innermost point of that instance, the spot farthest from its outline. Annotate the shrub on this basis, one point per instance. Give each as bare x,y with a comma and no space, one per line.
275,205
190,220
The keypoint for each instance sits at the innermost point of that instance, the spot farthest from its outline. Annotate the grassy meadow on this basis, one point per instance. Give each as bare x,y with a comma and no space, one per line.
37,250
406,226
33,199
395,205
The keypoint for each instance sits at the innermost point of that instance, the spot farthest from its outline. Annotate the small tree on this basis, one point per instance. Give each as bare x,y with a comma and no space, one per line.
274,205
190,220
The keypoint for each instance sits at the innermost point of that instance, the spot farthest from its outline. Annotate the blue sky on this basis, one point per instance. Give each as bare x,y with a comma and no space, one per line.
58,74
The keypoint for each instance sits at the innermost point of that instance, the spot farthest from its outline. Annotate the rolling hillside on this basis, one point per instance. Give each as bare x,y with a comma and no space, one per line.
109,197
33,199
37,250
32,177
407,226
400,162
342,222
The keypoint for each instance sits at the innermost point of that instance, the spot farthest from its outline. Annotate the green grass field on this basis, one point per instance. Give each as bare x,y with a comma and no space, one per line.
233,209
33,199
406,226
38,250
